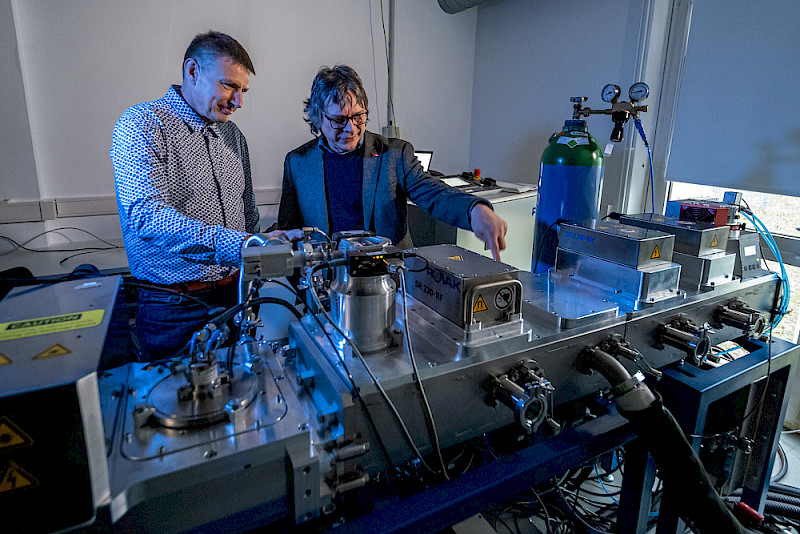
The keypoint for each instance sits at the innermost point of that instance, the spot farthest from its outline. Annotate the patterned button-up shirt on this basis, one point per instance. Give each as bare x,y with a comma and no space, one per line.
184,192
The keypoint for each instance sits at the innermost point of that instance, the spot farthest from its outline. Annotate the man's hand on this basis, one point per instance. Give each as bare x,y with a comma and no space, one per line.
285,235
489,228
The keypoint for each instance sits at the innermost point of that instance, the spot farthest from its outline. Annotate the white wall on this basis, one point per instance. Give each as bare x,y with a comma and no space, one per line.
433,83
16,148
83,62
531,57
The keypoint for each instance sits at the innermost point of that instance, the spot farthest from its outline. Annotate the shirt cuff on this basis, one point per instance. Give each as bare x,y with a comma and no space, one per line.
473,204
229,248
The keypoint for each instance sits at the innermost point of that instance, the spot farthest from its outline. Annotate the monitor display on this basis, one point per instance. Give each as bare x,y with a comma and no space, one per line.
454,181
424,157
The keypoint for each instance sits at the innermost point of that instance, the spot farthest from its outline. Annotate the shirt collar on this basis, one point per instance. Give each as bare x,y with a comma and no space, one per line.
324,146
187,114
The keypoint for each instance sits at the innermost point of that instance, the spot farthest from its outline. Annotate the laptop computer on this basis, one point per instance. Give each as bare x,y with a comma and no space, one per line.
424,157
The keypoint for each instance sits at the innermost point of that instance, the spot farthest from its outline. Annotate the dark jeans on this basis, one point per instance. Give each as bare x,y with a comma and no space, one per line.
165,321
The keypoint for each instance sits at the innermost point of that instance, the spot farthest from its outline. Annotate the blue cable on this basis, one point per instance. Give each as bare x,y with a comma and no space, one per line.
638,122
767,236
600,480
192,342
764,231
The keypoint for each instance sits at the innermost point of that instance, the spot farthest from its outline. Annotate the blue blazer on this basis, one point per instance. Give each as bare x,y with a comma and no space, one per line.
391,176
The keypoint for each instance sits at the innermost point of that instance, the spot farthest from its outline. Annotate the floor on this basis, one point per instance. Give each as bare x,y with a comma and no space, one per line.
790,441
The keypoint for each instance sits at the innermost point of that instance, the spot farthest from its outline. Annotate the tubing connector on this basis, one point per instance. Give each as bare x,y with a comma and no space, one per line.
738,315
628,390
525,390
683,334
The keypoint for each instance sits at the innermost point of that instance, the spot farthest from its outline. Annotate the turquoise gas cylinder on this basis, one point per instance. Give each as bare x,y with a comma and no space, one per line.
570,183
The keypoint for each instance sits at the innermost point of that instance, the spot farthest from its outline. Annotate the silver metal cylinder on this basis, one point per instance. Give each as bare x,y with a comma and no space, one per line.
363,307
695,343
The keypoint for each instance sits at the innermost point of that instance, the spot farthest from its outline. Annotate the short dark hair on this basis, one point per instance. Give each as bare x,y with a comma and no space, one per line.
332,84
211,45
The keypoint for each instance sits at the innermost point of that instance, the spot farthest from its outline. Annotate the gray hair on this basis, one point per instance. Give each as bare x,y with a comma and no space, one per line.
332,85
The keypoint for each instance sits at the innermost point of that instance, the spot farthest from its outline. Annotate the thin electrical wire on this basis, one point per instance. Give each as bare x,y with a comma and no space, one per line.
547,520
777,477
541,243
354,391
418,379
600,481
638,122
372,376
374,62
652,182
573,508
759,406
393,121
23,247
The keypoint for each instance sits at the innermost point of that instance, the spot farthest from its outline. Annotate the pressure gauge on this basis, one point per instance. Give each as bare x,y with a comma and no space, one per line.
611,92
638,91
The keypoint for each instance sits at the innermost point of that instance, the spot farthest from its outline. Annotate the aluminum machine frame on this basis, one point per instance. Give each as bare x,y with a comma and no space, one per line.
399,355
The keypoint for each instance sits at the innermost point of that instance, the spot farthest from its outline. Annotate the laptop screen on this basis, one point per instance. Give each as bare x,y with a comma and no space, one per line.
424,157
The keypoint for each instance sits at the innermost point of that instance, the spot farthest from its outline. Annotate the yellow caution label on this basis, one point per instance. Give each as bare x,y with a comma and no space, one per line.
456,258
656,254
5,360
714,242
12,436
50,325
480,305
16,478
52,352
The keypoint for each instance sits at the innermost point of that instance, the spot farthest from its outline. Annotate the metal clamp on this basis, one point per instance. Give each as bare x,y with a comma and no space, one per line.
628,385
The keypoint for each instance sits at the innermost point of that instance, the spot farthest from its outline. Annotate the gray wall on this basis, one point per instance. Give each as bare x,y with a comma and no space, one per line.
16,147
483,88
81,63
531,57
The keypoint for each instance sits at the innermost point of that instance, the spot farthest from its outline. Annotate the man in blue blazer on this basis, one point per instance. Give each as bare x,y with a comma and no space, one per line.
351,179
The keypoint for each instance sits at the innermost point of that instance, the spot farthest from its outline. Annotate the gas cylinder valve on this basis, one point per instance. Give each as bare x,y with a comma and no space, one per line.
738,315
683,334
620,111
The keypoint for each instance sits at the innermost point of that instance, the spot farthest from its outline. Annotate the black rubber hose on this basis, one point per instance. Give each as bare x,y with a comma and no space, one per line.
776,507
680,466
784,489
781,508
772,496
678,463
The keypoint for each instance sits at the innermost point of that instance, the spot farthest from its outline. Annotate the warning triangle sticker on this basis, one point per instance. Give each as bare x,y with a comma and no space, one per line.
16,478
11,436
656,254
5,360
55,350
480,305
714,242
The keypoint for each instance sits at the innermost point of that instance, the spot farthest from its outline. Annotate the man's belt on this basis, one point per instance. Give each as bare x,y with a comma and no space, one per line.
193,286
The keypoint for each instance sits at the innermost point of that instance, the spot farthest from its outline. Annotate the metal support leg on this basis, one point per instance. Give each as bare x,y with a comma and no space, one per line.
688,392
635,499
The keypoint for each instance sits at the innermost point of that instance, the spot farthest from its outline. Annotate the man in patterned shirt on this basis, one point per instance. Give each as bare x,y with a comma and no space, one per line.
185,194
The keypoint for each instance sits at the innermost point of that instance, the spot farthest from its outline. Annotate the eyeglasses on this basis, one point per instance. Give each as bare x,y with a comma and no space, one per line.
340,121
